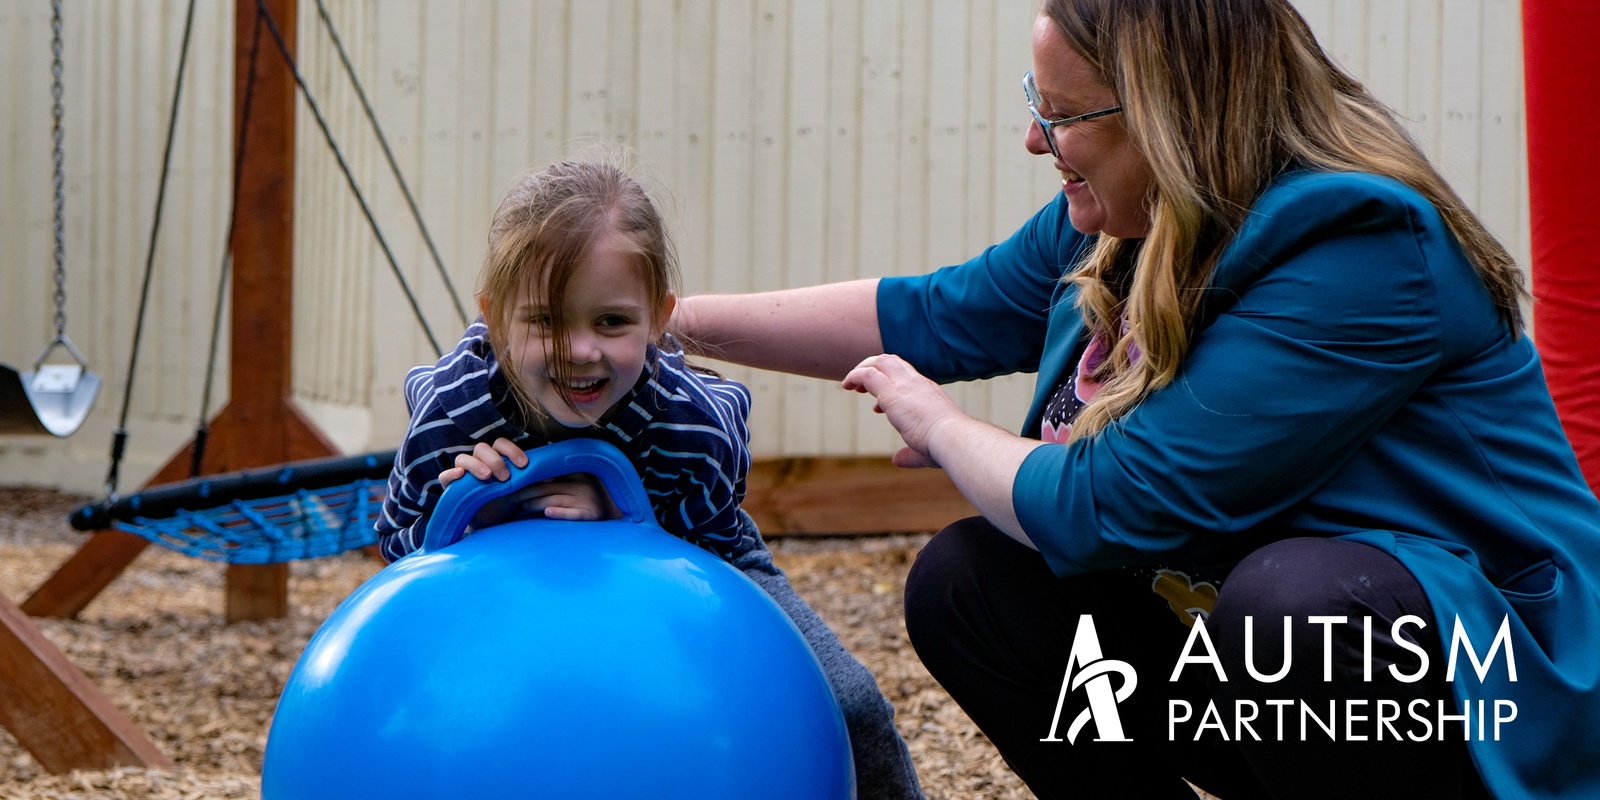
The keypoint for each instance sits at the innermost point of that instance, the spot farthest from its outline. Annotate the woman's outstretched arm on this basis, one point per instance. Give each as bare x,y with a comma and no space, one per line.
821,331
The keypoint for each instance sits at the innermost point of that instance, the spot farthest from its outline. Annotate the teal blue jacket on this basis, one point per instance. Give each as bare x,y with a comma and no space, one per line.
1349,376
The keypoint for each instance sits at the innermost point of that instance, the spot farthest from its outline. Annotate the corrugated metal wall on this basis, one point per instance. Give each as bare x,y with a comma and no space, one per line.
797,142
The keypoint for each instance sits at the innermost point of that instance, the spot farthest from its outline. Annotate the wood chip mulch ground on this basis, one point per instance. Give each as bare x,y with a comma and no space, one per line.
204,690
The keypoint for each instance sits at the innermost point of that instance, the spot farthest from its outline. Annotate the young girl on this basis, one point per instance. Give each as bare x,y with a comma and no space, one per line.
576,293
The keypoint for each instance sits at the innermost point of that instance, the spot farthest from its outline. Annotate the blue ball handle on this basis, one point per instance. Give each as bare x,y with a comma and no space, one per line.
462,499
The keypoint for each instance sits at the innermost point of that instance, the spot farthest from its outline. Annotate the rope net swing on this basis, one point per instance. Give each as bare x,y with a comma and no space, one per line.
307,509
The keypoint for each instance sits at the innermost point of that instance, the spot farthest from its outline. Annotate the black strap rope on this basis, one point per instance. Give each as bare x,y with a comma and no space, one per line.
305,91
394,166
120,436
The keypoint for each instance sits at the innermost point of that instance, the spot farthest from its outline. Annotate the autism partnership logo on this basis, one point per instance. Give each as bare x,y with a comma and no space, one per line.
1094,679
1104,683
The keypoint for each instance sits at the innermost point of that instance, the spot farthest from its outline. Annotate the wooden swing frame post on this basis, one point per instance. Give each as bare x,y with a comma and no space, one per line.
56,713
262,425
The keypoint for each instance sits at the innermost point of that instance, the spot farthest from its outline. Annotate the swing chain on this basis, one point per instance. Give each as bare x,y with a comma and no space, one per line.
57,111
58,136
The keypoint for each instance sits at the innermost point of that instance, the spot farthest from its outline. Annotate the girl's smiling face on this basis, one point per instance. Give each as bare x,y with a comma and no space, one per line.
1107,181
609,328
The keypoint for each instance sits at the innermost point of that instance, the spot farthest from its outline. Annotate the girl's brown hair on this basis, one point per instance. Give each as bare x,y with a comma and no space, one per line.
1220,97
542,233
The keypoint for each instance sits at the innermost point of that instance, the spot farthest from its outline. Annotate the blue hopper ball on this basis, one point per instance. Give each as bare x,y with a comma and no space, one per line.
551,659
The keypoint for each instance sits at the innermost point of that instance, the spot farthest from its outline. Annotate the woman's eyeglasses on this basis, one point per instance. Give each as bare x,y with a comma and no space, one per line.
1049,126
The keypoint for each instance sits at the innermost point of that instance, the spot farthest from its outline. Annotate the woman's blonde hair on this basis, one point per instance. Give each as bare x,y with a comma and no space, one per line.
543,232
1220,97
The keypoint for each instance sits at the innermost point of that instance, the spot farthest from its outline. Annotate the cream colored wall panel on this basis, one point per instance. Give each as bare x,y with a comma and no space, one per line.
1319,13
1019,181
842,56
404,102
548,81
337,255
510,62
793,143
476,188
26,210
934,227
592,73
772,202
447,122
1385,69
728,89
804,416
1421,109
1452,71
203,183
1460,100
1502,198
975,129
884,119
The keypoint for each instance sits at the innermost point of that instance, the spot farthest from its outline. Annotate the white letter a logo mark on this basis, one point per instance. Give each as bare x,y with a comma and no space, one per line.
1094,676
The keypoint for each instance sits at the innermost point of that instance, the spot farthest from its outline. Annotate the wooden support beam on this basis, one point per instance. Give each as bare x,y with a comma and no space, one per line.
257,591
55,711
261,386
261,591
850,495
84,575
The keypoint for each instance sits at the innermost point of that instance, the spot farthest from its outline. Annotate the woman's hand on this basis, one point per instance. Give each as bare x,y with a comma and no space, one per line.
915,406
569,497
981,459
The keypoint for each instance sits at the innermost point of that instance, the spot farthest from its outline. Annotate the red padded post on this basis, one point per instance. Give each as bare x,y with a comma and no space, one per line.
1561,62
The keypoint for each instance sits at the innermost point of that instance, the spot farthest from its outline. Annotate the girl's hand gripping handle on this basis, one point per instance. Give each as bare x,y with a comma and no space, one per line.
462,499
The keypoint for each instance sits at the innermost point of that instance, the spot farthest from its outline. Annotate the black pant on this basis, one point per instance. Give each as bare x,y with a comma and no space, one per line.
996,627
